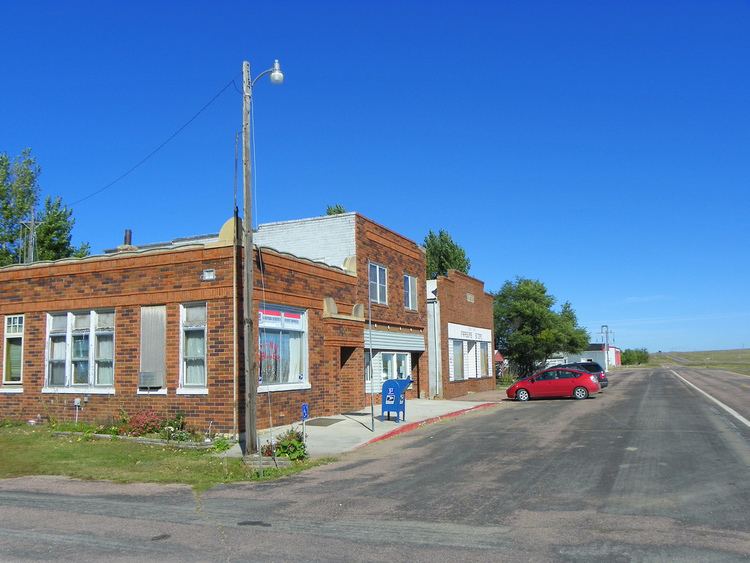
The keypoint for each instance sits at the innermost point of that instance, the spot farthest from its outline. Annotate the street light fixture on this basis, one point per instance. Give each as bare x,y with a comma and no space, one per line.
251,378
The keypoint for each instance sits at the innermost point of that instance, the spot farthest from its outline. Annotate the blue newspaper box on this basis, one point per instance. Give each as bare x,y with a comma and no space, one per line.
393,399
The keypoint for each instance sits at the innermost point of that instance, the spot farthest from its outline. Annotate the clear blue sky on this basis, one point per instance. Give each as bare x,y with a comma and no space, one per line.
601,147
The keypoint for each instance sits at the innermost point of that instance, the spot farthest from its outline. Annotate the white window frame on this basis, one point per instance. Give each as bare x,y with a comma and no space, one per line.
483,364
410,292
377,368
153,347
12,335
267,326
453,375
90,386
394,364
184,388
381,281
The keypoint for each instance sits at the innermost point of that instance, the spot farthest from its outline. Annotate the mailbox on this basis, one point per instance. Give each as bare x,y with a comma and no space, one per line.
393,399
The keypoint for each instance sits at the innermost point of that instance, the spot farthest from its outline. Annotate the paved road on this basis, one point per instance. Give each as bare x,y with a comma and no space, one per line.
648,470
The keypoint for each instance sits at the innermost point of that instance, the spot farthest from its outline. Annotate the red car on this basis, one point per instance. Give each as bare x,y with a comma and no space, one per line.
555,382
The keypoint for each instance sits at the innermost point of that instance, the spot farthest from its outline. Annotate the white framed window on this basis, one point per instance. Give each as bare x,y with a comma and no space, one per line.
368,366
193,346
394,365
378,276
457,366
282,348
80,352
483,369
410,292
104,348
13,350
152,369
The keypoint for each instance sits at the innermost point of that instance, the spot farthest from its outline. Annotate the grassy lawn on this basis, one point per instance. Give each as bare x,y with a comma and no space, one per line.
35,451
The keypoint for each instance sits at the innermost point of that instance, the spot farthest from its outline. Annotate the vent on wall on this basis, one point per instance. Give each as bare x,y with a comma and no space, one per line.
150,379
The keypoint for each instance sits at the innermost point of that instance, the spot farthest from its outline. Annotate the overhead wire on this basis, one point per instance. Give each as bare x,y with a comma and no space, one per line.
158,148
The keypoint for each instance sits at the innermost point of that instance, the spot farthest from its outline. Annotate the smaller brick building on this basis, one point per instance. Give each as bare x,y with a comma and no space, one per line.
460,335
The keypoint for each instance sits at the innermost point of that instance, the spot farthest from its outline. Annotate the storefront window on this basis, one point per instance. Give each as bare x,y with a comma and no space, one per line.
484,359
458,360
282,347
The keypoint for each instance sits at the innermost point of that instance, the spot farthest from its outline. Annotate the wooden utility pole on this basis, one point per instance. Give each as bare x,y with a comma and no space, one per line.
251,377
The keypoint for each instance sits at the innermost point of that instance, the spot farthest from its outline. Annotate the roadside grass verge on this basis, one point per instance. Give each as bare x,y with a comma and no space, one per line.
35,451
737,361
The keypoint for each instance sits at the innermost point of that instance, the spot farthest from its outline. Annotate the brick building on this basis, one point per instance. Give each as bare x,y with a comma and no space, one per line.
390,272
157,327
460,334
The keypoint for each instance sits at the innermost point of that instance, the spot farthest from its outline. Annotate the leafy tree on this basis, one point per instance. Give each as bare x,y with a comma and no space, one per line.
19,199
634,356
336,209
53,235
18,189
528,330
444,254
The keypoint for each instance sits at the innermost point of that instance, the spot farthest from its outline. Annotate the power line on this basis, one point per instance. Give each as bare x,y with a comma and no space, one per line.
158,148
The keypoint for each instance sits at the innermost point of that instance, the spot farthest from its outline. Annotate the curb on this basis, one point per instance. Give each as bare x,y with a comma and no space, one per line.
414,425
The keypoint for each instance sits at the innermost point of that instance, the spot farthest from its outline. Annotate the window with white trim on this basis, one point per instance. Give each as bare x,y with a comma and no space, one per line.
151,375
378,284
282,347
458,359
80,349
483,369
395,365
410,292
13,350
368,366
104,348
193,345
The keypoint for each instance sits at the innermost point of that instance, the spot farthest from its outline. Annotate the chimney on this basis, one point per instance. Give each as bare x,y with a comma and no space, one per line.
127,243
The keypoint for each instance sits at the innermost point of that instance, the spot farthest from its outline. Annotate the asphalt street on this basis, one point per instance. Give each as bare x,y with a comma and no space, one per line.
648,470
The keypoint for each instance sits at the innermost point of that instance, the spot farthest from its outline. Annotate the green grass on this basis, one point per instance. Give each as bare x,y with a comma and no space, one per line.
35,451
737,361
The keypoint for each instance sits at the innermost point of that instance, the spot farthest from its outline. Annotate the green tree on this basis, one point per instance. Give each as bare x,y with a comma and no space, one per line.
19,203
18,189
336,209
54,233
528,330
635,356
444,254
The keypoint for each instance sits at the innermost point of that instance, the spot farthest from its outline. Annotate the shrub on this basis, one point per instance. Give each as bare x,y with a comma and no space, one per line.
221,444
144,422
289,444
634,356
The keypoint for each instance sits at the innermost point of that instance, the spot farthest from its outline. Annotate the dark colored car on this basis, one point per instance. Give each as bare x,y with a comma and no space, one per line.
555,382
591,367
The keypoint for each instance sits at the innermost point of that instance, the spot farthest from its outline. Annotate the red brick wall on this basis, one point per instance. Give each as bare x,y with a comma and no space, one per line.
400,255
282,280
125,283
171,278
455,308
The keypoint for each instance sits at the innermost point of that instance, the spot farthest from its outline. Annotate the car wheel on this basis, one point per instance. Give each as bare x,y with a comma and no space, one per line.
580,393
522,395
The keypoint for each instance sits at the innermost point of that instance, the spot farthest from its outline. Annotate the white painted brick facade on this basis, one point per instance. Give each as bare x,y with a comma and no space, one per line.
329,239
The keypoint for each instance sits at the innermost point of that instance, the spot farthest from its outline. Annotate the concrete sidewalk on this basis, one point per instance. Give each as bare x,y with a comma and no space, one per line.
334,435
